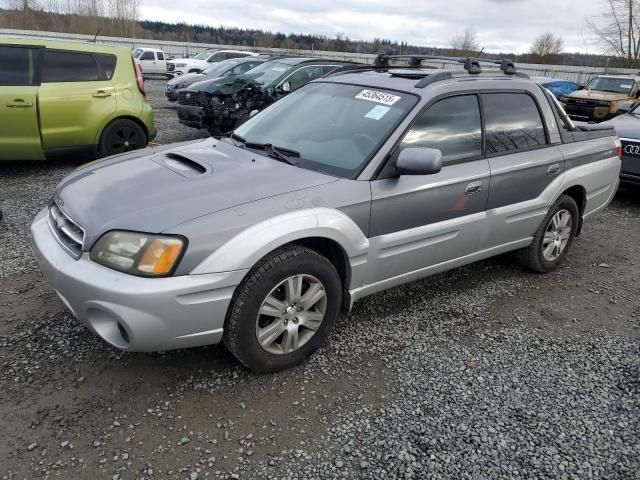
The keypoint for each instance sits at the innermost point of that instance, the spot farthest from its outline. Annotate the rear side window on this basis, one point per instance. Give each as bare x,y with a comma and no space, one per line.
512,122
59,66
160,55
19,66
147,56
107,64
452,125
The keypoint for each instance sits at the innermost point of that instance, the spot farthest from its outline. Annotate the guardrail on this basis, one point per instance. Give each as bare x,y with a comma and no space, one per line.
576,74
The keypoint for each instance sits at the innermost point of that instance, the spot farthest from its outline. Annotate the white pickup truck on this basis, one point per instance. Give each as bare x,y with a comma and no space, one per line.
151,60
197,64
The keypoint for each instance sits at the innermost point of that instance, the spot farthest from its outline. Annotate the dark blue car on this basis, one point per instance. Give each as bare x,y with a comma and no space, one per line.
557,86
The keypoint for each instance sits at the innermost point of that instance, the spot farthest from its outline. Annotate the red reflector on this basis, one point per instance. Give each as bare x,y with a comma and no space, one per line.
619,151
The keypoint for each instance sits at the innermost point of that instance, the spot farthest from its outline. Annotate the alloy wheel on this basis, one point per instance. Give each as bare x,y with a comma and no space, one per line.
291,314
557,235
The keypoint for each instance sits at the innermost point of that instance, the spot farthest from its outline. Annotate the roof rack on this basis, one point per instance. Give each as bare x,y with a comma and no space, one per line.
471,64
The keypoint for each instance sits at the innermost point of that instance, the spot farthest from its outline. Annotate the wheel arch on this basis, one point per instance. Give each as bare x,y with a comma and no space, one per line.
329,232
579,194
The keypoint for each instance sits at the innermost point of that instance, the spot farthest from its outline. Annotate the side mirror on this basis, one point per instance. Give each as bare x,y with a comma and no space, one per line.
625,107
286,87
419,161
253,113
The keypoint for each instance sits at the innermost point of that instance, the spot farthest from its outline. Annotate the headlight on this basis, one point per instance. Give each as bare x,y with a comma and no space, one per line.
564,99
180,85
603,103
138,253
181,64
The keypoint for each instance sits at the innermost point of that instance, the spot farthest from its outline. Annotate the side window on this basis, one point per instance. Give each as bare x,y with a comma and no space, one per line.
59,66
147,56
234,55
512,122
160,55
305,75
107,64
19,66
218,57
452,125
329,68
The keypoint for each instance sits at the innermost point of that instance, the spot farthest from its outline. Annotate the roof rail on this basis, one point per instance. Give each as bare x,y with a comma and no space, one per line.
471,64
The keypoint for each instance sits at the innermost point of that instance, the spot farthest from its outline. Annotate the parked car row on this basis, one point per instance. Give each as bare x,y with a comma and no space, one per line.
357,180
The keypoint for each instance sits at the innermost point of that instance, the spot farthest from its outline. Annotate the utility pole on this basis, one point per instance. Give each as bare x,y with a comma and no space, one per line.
629,33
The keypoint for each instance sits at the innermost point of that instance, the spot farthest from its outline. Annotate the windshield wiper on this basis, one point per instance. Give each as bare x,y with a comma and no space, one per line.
279,153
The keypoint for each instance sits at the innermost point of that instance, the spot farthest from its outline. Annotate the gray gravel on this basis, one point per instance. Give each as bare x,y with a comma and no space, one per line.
483,372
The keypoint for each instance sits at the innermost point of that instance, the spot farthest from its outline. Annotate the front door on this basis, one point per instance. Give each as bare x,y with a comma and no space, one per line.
418,221
148,63
74,100
19,84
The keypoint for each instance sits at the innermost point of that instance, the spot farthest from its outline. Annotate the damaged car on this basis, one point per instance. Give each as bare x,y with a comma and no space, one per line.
221,104
226,68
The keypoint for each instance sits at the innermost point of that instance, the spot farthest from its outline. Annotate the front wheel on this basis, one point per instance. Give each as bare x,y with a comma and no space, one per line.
554,237
121,135
283,310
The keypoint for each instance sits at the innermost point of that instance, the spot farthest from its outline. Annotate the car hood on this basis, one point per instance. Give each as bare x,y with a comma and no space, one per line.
224,85
155,189
187,78
627,125
598,95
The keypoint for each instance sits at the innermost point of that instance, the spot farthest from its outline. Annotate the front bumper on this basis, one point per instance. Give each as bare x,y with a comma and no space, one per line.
192,115
134,313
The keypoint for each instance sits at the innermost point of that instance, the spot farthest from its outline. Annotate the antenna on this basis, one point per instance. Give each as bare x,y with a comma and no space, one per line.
96,36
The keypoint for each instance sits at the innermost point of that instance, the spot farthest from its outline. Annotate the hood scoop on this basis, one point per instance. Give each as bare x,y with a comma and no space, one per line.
182,164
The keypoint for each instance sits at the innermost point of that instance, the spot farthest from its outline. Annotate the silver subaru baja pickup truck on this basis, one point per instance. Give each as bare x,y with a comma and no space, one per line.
357,182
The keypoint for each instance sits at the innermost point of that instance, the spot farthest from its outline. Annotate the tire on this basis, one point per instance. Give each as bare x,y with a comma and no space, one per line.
262,290
121,135
548,251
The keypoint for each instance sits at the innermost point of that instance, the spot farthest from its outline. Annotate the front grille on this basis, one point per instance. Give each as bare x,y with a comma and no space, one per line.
581,102
630,148
171,67
69,234
189,98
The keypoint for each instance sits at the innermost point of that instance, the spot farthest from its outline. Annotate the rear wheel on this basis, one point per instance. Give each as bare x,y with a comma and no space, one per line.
122,135
283,310
554,237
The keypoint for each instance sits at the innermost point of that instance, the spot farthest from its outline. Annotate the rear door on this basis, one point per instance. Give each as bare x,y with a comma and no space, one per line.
161,63
19,84
421,220
76,97
523,165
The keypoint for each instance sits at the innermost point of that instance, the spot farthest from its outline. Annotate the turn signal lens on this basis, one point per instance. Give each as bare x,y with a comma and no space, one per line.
619,147
160,256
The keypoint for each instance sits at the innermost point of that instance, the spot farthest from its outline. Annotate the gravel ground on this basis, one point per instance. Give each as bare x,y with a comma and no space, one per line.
487,371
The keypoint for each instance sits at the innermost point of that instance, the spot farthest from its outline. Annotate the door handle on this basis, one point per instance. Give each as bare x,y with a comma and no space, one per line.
473,187
101,94
19,103
553,169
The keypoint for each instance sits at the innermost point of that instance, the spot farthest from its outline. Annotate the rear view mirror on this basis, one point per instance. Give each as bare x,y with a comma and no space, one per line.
253,113
419,161
286,87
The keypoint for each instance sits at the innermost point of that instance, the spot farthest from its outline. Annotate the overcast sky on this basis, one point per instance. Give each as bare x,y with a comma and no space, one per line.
502,25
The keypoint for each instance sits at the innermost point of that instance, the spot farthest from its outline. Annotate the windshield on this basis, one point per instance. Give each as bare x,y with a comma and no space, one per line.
267,72
335,128
137,52
610,84
203,56
220,68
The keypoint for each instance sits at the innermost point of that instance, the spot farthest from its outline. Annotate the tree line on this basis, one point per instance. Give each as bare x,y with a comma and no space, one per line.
616,30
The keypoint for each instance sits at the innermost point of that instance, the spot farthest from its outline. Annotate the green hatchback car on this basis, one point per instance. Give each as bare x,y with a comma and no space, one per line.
59,98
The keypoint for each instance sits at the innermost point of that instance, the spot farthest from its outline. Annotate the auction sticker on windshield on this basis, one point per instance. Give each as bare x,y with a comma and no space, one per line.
379,97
